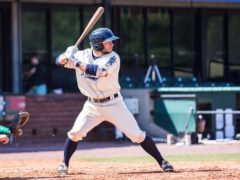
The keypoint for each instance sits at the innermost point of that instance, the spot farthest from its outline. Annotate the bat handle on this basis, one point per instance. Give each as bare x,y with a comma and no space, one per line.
78,41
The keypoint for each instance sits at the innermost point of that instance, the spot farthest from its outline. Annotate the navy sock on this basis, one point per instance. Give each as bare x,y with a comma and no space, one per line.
69,148
150,147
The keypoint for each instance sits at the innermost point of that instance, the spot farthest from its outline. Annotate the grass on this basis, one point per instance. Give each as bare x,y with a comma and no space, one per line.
179,158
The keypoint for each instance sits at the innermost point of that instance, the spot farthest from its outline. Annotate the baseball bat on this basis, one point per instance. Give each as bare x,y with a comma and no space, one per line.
90,24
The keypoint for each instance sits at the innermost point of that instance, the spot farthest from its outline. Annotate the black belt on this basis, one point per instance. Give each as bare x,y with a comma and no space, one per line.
103,99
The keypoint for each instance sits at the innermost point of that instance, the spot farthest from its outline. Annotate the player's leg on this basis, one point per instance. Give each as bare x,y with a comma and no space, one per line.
119,115
83,124
86,121
150,147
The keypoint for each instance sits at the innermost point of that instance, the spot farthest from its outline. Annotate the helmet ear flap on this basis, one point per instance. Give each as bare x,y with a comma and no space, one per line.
96,42
98,47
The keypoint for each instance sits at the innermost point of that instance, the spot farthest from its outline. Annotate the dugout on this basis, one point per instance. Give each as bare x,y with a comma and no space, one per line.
175,112
214,103
166,109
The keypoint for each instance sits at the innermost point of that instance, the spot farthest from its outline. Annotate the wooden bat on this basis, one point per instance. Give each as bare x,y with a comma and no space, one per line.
91,23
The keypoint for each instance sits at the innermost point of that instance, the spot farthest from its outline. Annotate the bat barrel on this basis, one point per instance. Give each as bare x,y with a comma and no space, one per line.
91,23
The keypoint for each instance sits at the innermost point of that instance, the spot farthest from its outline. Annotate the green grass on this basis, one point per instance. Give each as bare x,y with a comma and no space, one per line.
207,157
183,158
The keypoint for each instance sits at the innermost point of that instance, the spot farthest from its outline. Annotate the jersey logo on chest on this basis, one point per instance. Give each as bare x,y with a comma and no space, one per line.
111,61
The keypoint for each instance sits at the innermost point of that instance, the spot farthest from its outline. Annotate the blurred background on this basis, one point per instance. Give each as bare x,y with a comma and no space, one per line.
180,61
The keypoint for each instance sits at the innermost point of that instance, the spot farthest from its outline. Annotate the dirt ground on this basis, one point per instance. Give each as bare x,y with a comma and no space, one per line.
41,162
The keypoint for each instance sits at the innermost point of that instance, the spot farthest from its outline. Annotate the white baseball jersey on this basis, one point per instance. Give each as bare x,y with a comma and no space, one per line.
114,109
93,86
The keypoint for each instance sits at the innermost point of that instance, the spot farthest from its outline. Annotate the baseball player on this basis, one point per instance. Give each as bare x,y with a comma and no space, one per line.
97,70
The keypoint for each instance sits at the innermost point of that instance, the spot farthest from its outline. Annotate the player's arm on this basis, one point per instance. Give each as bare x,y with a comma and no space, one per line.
64,61
67,59
100,71
90,69
70,62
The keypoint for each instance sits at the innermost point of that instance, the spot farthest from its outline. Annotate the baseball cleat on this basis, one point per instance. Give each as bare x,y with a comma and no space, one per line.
166,166
62,169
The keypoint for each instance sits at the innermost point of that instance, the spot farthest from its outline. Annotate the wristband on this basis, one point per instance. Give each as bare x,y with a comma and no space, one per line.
78,64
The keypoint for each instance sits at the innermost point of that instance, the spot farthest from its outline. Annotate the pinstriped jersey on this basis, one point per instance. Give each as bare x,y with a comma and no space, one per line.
97,86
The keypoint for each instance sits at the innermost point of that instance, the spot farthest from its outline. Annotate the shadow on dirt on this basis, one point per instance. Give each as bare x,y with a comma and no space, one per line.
199,170
28,178
176,171
69,176
143,172
150,172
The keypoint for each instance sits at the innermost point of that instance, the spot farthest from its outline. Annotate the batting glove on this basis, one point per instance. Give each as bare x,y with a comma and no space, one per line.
74,62
71,50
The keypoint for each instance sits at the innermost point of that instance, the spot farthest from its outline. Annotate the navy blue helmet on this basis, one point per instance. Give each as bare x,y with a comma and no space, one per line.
100,35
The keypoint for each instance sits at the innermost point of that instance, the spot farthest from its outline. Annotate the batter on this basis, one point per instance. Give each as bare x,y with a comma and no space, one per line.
97,71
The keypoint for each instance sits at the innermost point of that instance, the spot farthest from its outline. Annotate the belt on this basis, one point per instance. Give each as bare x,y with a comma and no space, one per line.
103,99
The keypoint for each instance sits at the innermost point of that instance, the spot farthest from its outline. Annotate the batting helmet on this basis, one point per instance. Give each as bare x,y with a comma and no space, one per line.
99,36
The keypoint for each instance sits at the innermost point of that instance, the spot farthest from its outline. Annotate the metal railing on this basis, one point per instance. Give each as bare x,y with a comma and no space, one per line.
218,112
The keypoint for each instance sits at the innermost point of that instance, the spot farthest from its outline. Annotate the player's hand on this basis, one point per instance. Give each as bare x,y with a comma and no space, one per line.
71,50
62,60
72,61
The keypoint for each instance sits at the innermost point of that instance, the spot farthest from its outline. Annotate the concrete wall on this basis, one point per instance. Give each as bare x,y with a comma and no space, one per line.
146,105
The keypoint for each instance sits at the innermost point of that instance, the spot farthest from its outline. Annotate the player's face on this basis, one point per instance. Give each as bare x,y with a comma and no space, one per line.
108,47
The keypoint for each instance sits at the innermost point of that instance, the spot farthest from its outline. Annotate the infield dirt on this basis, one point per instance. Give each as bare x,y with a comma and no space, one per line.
41,162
